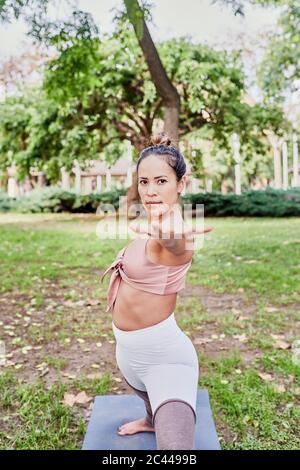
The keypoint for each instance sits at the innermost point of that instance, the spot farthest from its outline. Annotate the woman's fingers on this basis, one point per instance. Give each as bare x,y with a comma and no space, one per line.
204,230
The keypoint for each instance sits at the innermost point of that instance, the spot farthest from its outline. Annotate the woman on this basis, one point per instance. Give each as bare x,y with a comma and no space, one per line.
157,359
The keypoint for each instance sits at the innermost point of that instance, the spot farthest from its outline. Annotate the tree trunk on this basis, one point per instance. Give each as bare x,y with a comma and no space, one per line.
164,87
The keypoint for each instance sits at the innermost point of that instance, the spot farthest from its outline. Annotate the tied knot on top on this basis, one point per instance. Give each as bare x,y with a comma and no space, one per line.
116,265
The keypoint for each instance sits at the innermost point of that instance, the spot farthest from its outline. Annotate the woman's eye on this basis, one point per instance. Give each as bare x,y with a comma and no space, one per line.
143,181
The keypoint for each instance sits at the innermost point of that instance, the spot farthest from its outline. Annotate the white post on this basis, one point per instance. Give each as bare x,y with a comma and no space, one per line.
99,183
65,179
108,180
129,169
277,167
295,181
87,185
194,182
209,185
12,185
12,188
237,166
285,181
77,178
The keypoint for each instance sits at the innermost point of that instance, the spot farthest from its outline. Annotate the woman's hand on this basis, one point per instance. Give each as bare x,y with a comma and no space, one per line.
170,230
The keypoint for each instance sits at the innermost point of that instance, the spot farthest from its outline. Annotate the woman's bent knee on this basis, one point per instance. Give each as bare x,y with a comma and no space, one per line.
175,425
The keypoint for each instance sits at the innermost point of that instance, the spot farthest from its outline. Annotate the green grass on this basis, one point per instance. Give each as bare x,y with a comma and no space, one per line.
54,253
49,267
257,416
42,421
36,416
274,245
39,255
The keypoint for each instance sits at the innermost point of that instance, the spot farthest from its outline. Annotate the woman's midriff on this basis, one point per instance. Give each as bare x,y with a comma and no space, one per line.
135,309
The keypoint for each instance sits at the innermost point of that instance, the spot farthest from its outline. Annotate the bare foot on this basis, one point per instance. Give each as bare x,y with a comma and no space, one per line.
140,425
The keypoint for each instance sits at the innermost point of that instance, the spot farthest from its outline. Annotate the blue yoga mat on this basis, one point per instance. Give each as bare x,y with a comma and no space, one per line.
111,411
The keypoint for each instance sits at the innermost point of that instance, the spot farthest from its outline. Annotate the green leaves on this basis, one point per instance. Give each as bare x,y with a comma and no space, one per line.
280,69
97,93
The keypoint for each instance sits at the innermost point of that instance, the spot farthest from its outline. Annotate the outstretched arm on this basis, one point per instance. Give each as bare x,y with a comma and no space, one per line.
170,231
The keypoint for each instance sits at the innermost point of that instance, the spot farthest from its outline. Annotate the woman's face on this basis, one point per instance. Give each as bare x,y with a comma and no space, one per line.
157,183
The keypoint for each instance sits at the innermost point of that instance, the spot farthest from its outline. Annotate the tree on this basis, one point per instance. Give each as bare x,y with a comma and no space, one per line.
222,114
97,94
164,86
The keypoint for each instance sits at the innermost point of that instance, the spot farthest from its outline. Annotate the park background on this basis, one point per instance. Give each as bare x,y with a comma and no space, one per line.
79,99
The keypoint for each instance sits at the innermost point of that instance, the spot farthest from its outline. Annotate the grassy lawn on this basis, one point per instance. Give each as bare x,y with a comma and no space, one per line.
241,308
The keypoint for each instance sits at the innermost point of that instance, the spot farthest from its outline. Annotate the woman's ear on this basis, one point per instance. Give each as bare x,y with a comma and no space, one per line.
181,184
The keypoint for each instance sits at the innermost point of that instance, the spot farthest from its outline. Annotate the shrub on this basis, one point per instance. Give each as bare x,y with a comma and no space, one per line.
268,202
55,199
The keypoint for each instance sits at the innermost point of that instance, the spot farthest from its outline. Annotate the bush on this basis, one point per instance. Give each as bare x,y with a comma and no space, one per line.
269,202
55,199
265,203
48,199
6,202
90,202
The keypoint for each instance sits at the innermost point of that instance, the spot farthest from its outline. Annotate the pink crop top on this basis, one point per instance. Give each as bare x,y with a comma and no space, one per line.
136,270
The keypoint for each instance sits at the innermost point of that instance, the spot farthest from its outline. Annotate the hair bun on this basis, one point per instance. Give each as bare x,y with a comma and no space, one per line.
160,139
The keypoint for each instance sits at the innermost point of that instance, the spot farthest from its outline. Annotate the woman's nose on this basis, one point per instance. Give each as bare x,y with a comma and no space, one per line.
151,191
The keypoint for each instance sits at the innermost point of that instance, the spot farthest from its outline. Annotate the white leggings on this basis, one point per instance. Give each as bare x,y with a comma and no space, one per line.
160,360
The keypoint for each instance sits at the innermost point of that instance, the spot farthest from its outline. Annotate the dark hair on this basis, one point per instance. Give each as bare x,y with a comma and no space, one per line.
160,145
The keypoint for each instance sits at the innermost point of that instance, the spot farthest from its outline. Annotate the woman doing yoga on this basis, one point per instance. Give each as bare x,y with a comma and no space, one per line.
156,358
